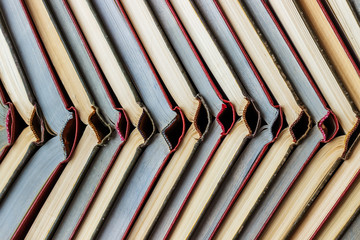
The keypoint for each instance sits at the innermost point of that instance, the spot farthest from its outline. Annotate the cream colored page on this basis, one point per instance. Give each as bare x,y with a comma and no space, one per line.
106,58
164,186
335,52
304,188
60,58
343,213
329,195
15,156
209,180
161,56
209,51
255,187
261,58
54,204
12,81
324,78
348,22
109,187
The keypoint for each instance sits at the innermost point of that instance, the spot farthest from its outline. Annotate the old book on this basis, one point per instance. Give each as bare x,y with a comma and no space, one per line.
333,47
318,66
322,177
167,192
338,32
352,231
107,183
292,206
63,226
344,214
32,132
200,33
310,53
140,163
299,78
75,88
294,115
17,211
329,198
127,200
332,43
10,122
348,22
270,189
67,211
104,118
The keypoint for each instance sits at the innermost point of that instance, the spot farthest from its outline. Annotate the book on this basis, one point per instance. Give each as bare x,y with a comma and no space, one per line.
317,65
346,19
274,36
121,162
101,120
242,70
132,201
166,190
118,188
23,125
162,121
304,86
10,124
18,212
317,172
177,119
302,181
293,114
353,230
336,50
328,199
69,210
343,215
264,198
66,221
61,61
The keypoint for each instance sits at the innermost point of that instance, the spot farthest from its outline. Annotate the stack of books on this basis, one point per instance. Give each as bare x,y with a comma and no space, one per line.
179,119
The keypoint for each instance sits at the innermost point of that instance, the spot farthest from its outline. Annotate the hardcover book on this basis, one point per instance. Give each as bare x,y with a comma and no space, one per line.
245,74
264,198
309,53
35,182
23,126
94,188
